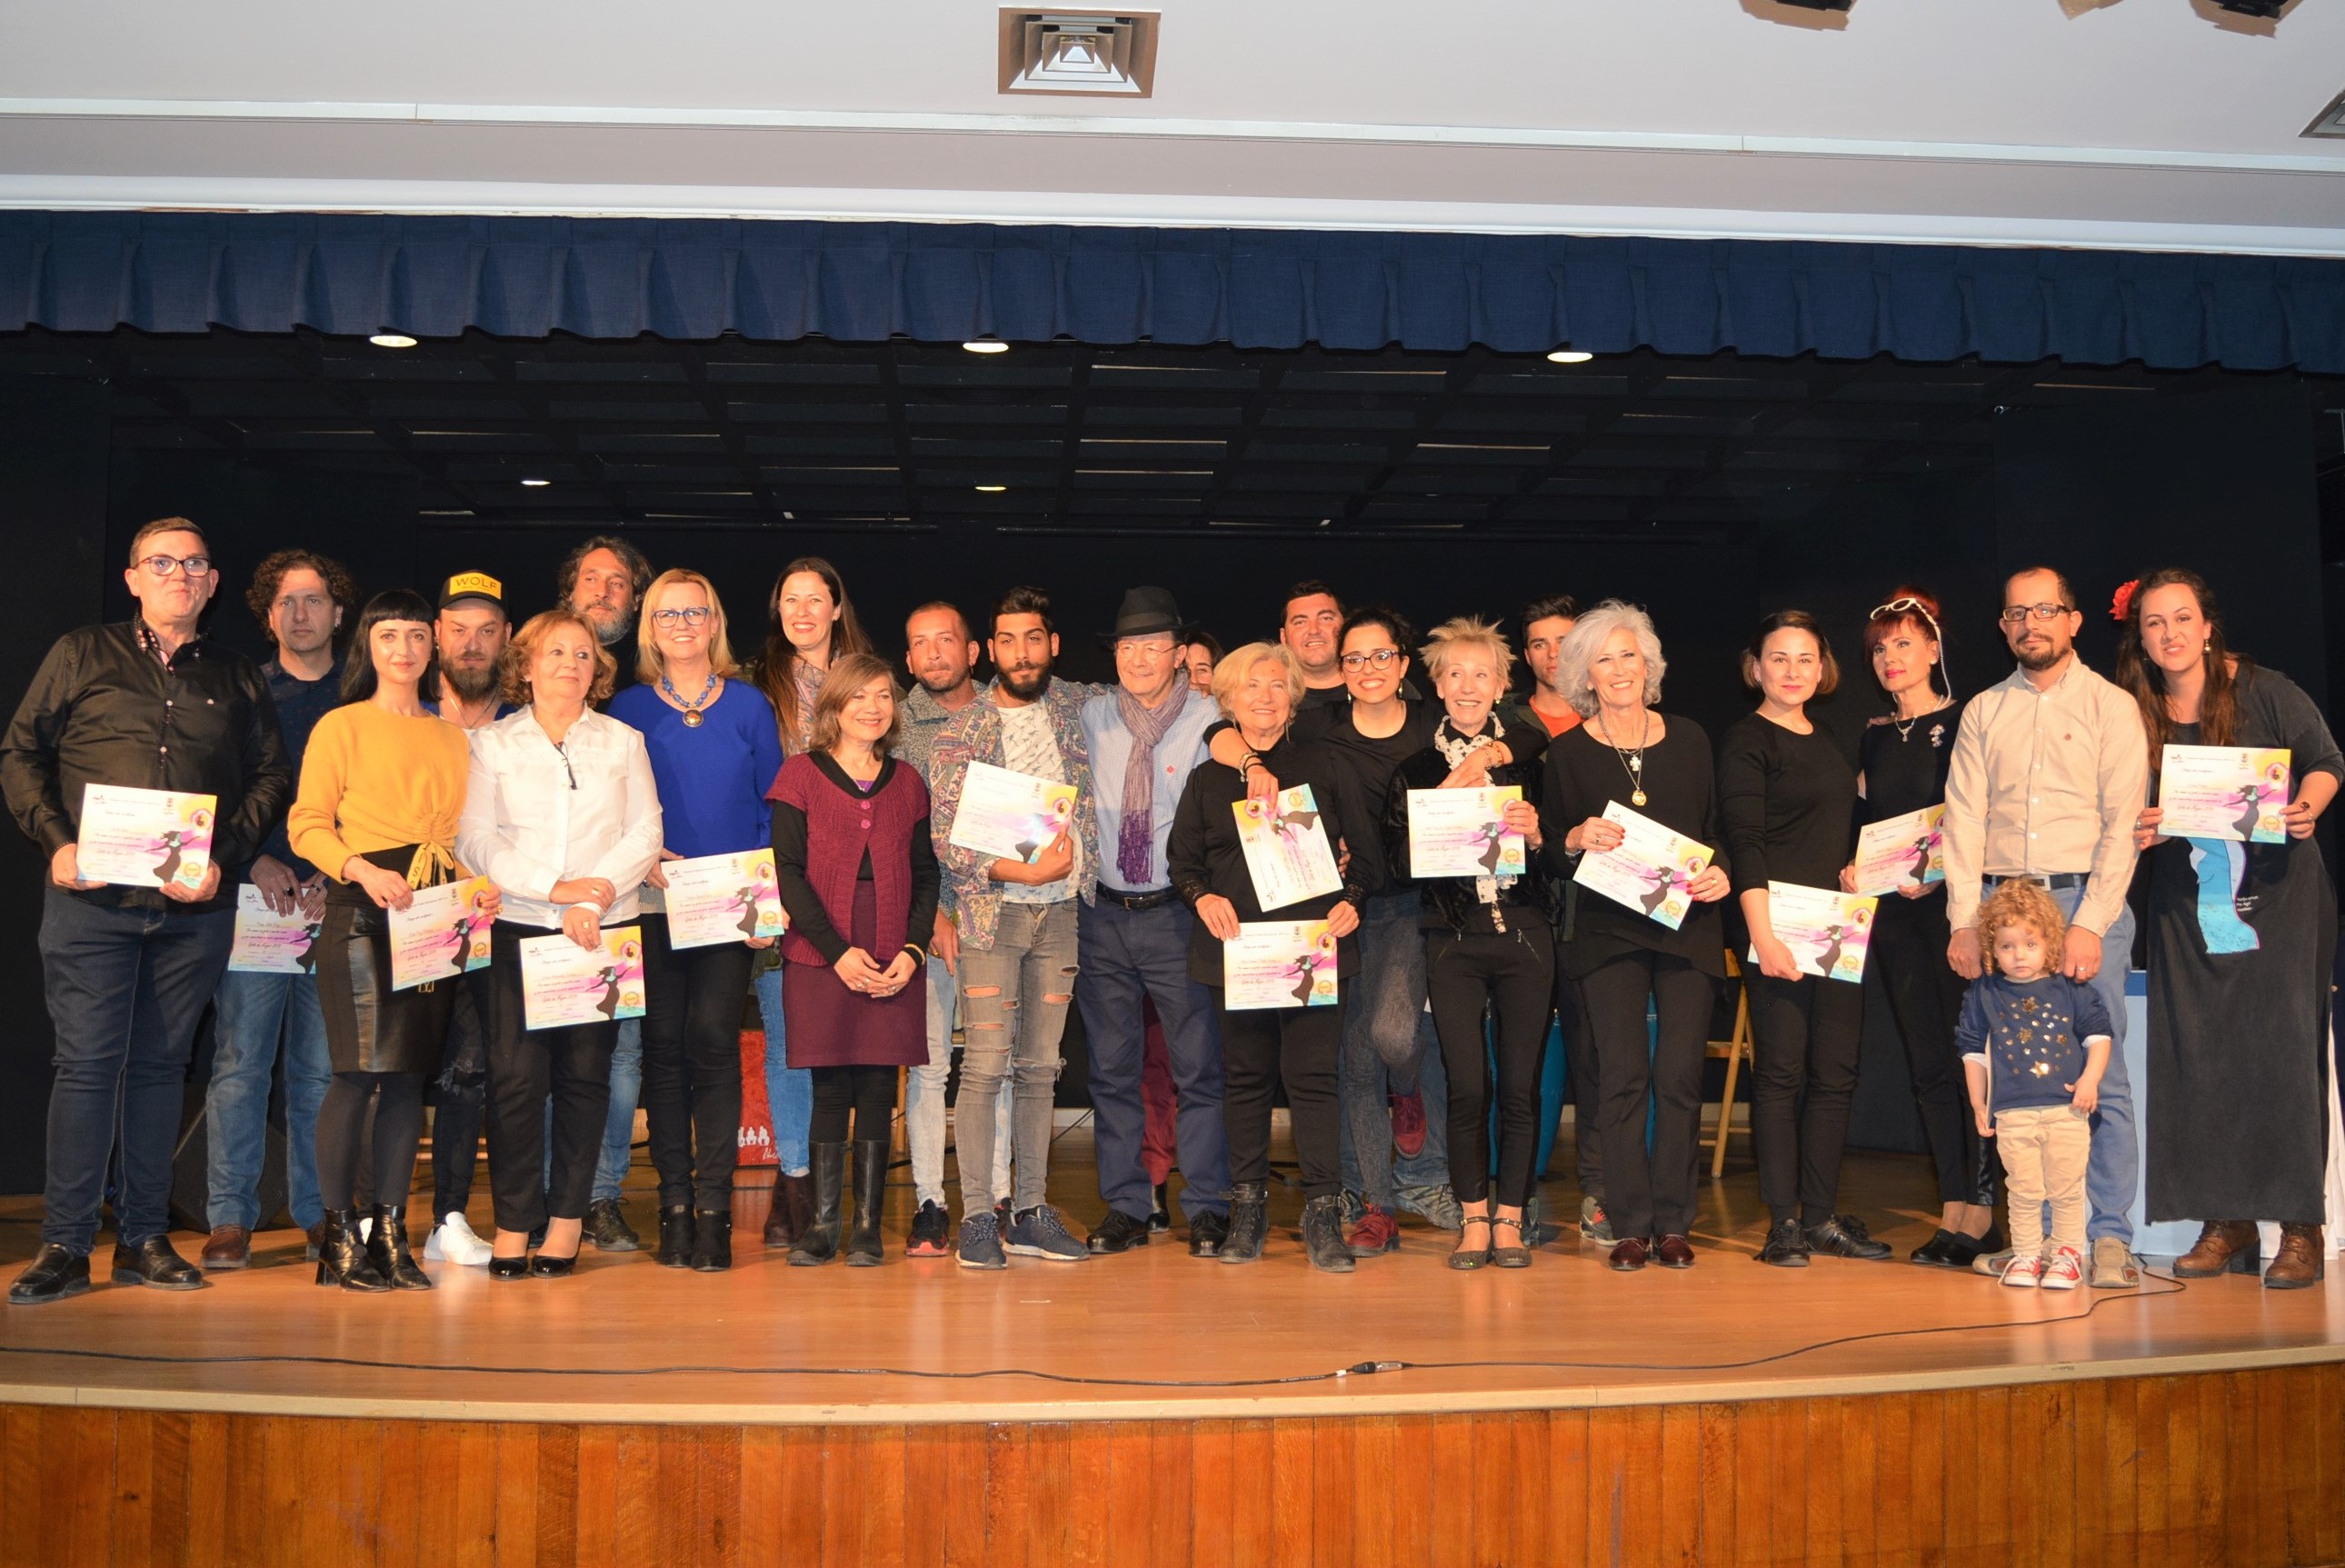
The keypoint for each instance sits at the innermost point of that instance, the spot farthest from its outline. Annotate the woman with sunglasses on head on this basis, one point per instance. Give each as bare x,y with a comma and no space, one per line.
714,752
1901,769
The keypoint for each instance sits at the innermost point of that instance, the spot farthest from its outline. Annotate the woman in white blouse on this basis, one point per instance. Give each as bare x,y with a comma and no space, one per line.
561,813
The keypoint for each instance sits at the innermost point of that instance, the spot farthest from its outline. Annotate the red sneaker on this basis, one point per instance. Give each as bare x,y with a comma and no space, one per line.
1377,1234
1408,1124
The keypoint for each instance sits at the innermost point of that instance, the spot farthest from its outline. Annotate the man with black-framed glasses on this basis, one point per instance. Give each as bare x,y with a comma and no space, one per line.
2049,771
149,704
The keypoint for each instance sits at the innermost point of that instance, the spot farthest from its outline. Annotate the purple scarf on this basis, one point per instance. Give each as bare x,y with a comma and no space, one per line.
1136,842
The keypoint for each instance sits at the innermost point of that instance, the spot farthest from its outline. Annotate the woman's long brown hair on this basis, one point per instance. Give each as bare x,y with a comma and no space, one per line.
777,671
2219,701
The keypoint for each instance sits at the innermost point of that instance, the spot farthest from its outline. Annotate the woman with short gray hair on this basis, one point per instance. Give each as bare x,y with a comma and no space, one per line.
1591,632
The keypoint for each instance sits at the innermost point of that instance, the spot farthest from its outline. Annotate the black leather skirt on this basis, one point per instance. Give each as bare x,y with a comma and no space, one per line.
370,1027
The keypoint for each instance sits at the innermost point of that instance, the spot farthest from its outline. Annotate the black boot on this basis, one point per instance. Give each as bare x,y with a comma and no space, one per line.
711,1240
389,1253
342,1258
1249,1222
1323,1234
818,1241
863,1248
675,1236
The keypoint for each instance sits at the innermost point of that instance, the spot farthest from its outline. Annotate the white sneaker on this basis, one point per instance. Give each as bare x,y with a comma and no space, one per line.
2063,1270
452,1240
2024,1273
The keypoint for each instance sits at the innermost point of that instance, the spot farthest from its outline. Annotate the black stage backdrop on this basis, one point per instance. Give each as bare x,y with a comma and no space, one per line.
2223,482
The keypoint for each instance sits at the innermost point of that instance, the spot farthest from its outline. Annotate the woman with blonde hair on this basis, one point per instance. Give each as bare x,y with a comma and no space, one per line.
714,750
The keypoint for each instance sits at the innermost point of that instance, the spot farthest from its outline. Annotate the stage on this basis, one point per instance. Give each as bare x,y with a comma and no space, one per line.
1157,1407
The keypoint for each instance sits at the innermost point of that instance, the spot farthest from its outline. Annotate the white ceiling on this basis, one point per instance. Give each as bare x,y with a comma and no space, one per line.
2152,124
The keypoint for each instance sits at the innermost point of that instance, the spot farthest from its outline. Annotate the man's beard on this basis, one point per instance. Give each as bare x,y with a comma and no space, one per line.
611,625
469,684
1028,685
2042,660
935,687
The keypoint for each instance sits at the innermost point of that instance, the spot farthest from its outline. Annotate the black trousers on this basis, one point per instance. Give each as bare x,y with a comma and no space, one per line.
572,1064
1470,977
460,1097
869,1092
692,1065
1925,996
1805,1036
1585,1080
1650,1192
1262,1048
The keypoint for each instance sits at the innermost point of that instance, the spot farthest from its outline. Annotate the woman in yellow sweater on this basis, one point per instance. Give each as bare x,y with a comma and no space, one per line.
383,785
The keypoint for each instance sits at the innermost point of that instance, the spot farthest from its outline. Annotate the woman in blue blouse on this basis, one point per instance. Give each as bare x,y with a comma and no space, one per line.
714,750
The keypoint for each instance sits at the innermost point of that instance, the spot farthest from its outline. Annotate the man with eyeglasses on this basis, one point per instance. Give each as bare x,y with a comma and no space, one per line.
2048,772
150,704
299,598
1146,735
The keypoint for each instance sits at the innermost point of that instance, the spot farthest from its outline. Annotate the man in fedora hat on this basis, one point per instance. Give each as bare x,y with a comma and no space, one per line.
1144,736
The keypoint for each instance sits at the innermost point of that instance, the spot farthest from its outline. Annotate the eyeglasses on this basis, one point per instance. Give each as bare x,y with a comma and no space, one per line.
1380,657
690,615
1158,648
2014,613
168,565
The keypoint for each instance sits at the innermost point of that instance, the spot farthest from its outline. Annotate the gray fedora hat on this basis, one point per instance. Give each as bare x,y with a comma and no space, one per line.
1145,610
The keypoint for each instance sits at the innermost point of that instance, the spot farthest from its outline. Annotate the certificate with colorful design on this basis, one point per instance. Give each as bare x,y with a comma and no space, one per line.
1011,816
713,899
145,838
1896,851
562,983
1286,849
267,943
443,933
1463,833
1652,870
1828,932
1279,963
2234,792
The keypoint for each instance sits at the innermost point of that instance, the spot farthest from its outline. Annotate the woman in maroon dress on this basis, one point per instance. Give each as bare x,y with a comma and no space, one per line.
858,880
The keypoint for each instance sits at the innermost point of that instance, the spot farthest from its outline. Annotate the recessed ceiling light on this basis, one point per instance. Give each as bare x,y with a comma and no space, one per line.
1570,357
392,340
986,346
991,489
537,484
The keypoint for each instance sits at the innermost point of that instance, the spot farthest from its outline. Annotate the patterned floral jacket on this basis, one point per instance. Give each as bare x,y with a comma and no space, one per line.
974,735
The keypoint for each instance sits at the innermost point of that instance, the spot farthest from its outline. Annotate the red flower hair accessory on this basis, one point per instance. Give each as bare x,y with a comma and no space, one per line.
2122,604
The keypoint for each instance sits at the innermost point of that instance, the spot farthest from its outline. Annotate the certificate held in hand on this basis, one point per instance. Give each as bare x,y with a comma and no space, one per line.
1279,963
1009,815
267,942
2234,792
562,983
1828,933
1463,833
1896,851
717,899
1652,870
145,838
441,933
1286,850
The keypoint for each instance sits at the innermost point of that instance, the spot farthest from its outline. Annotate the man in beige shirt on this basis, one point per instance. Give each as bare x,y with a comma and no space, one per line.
2048,773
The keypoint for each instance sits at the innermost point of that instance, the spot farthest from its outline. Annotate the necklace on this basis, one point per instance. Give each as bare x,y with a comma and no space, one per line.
1904,728
1632,758
691,720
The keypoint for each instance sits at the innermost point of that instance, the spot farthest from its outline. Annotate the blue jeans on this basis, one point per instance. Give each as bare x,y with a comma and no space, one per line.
1128,955
1388,1045
1014,997
126,988
2114,1175
253,1015
789,1091
619,1124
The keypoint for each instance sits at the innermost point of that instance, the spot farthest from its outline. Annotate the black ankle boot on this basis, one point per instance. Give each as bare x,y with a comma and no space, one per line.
674,1236
711,1240
388,1250
1248,1222
1323,1234
863,1248
819,1242
342,1258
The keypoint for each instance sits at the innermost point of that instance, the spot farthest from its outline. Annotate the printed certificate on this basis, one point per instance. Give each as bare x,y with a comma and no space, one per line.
1011,816
563,983
443,933
267,943
1900,849
145,837
1463,833
1279,963
1828,932
715,898
1286,849
2233,792
1652,870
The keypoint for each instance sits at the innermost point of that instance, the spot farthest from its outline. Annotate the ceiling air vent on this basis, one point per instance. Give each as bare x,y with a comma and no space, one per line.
2330,121
1086,54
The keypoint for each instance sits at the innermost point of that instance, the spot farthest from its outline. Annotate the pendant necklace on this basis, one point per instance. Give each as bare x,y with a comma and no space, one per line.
1904,728
1633,759
691,716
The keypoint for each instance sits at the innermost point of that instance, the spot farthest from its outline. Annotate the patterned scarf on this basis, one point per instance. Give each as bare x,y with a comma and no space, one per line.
1136,842
1454,749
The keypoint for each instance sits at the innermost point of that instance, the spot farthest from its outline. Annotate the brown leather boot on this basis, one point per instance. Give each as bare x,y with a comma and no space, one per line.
2224,1246
2299,1263
792,1211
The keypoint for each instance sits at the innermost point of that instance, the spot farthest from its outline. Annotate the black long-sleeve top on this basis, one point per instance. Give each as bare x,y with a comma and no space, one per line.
1450,903
808,917
1906,772
1786,805
1206,857
105,709
1583,777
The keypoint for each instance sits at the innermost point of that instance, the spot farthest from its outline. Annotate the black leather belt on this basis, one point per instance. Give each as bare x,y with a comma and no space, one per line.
1136,902
2058,881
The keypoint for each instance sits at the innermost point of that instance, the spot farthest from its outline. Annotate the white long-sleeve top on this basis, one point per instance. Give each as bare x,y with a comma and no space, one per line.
537,813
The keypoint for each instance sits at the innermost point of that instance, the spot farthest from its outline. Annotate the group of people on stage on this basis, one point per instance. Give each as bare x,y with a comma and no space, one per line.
569,760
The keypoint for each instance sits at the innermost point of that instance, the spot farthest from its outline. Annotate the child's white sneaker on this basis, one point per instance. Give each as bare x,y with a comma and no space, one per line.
2063,1270
2024,1273
452,1240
